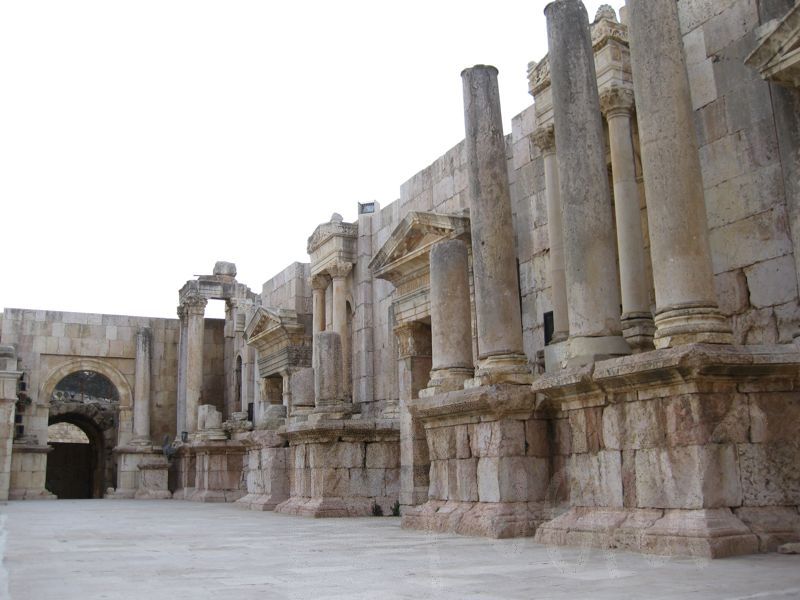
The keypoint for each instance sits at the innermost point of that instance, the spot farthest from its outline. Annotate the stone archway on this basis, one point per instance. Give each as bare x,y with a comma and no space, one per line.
79,470
98,418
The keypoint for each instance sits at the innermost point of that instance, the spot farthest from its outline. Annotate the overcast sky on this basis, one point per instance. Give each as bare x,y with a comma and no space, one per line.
141,141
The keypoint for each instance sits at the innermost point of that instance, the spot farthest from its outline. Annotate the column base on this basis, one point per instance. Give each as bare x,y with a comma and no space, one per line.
691,325
446,380
497,520
638,330
588,350
499,369
706,533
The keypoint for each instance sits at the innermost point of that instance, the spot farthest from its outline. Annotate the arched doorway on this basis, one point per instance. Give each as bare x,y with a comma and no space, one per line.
84,410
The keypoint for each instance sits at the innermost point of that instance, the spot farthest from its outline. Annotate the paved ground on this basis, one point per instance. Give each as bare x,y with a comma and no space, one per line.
149,550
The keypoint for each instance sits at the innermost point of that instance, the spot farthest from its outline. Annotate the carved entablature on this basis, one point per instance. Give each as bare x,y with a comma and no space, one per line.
221,285
777,56
333,244
404,260
611,57
281,340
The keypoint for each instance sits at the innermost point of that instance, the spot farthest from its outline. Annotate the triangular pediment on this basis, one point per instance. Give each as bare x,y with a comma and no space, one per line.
268,321
777,56
406,251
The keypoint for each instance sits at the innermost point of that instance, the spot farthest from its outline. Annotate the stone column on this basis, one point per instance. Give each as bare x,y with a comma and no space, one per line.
319,283
637,320
329,391
497,304
9,375
545,140
451,322
413,368
182,348
339,272
195,309
141,390
589,244
686,303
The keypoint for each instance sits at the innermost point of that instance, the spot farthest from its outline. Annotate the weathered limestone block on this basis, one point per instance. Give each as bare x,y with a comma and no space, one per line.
633,425
688,477
267,470
596,479
209,423
486,477
219,469
770,473
774,525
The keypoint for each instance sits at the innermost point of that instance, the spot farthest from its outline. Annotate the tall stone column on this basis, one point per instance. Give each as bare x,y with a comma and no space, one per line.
451,322
329,391
501,356
339,272
319,283
545,139
182,350
195,310
141,390
413,368
637,320
686,303
589,244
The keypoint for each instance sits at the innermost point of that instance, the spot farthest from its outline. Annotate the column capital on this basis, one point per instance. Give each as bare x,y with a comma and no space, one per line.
195,304
545,139
320,281
414,339
181,311
340,269
617,101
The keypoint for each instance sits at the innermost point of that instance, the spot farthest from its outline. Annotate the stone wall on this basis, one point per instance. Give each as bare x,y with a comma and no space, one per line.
751,244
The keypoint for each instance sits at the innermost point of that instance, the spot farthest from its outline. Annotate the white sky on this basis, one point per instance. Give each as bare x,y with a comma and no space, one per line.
141,141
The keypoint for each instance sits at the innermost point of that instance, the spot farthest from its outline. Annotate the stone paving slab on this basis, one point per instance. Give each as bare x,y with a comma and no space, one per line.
149,550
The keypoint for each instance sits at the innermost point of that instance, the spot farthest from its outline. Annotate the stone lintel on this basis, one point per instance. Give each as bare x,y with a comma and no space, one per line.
341,430
692,364
495,401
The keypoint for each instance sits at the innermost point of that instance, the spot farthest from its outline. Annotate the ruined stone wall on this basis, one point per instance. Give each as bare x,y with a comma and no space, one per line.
48,340
289,289
742,171
213,364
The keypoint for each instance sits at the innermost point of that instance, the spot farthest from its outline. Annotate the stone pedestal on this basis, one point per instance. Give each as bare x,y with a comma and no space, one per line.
219,466
684,451
686,304
592,278
185,462
342,468
501,356
266,470
490,463
141,473
209,424
29,471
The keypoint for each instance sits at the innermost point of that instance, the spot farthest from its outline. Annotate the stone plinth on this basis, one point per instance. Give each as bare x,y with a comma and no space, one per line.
342,468
266,470
29,471
185,464
691,450
489,462
219,466
133,460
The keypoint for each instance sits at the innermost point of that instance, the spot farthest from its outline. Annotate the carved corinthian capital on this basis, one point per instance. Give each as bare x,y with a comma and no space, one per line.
320,282
339,269
545,139
195,304
616,101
